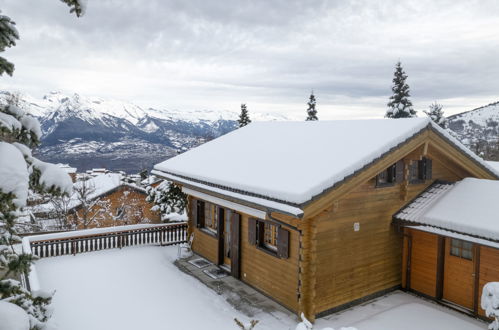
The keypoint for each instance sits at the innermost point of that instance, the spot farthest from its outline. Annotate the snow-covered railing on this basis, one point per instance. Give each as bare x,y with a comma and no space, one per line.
73,242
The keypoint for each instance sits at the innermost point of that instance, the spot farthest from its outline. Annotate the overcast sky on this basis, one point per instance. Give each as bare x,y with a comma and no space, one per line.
213,54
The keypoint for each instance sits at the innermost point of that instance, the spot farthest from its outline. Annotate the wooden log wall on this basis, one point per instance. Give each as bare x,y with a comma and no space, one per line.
163,235
355,264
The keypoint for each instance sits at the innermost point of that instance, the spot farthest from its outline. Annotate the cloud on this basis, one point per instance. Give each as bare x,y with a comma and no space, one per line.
205,54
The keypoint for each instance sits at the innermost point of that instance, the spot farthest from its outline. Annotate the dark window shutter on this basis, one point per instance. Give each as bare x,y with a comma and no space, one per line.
429,171
399,171
200,213
282,243
422,169
194,212
252,222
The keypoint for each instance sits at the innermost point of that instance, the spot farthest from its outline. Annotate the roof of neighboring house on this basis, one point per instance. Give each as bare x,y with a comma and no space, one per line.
99,185
468,207
294,162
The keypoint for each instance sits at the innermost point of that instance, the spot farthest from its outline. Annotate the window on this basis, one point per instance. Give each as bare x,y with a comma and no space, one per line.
269,236
420,170
391,175
386,178
461,249
210,217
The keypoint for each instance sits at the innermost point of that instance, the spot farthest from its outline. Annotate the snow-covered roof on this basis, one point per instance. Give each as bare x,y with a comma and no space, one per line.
292,162
494,165
97,186
468,207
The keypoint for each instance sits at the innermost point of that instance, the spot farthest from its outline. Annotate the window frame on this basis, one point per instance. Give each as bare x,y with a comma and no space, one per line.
420,167
211,227
261,230
459,245
391,177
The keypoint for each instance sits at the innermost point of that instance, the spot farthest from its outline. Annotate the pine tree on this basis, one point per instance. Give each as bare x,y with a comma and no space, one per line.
400,106
244,118
311,111
20,171
167,198
9,33
436,114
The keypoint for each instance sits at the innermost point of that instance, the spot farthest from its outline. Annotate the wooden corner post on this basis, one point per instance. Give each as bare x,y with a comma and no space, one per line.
307,268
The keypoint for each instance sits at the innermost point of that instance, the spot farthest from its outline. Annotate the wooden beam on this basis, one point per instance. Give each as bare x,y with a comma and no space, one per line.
440,268
425,148
476,284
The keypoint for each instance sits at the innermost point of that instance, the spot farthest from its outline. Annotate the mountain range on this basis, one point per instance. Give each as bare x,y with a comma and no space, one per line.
478,129
91,132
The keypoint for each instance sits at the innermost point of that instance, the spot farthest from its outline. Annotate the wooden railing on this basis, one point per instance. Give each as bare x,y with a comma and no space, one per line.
170,234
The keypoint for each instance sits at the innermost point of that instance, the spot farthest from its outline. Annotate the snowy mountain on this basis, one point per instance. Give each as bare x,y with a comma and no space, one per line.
478,129
89,132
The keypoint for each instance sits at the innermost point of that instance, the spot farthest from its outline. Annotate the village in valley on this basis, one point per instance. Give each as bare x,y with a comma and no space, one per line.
363,204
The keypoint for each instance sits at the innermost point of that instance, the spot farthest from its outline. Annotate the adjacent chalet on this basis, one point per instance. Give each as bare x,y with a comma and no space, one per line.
101,201
451,241
308,212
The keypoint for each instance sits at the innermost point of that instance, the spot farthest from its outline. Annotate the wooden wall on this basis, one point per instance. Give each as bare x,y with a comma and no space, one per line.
423,256
489,270
275,277
354,264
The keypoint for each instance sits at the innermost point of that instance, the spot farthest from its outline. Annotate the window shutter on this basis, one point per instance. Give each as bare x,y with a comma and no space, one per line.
194,212
200,213
282,243
252,222
422,169
429,171
399,171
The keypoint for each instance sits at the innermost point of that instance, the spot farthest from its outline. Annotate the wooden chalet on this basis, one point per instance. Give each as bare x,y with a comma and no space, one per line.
303,211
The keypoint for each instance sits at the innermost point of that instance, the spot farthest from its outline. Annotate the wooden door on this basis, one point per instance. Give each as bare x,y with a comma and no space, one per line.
459,272
235,237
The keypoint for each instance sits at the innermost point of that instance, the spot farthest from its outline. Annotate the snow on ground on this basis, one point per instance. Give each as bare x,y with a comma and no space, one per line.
400,311
135,288
140,288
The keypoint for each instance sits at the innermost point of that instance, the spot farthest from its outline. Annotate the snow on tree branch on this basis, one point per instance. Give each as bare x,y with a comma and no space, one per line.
490,303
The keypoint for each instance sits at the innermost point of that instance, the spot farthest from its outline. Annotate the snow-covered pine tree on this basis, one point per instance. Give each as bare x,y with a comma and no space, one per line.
167,198
436,114
20,171
244,118
312,111
400,106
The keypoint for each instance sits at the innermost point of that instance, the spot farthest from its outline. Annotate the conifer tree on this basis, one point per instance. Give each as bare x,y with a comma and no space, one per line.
400,106
244,116
20,171
312,111
167,198
436,114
